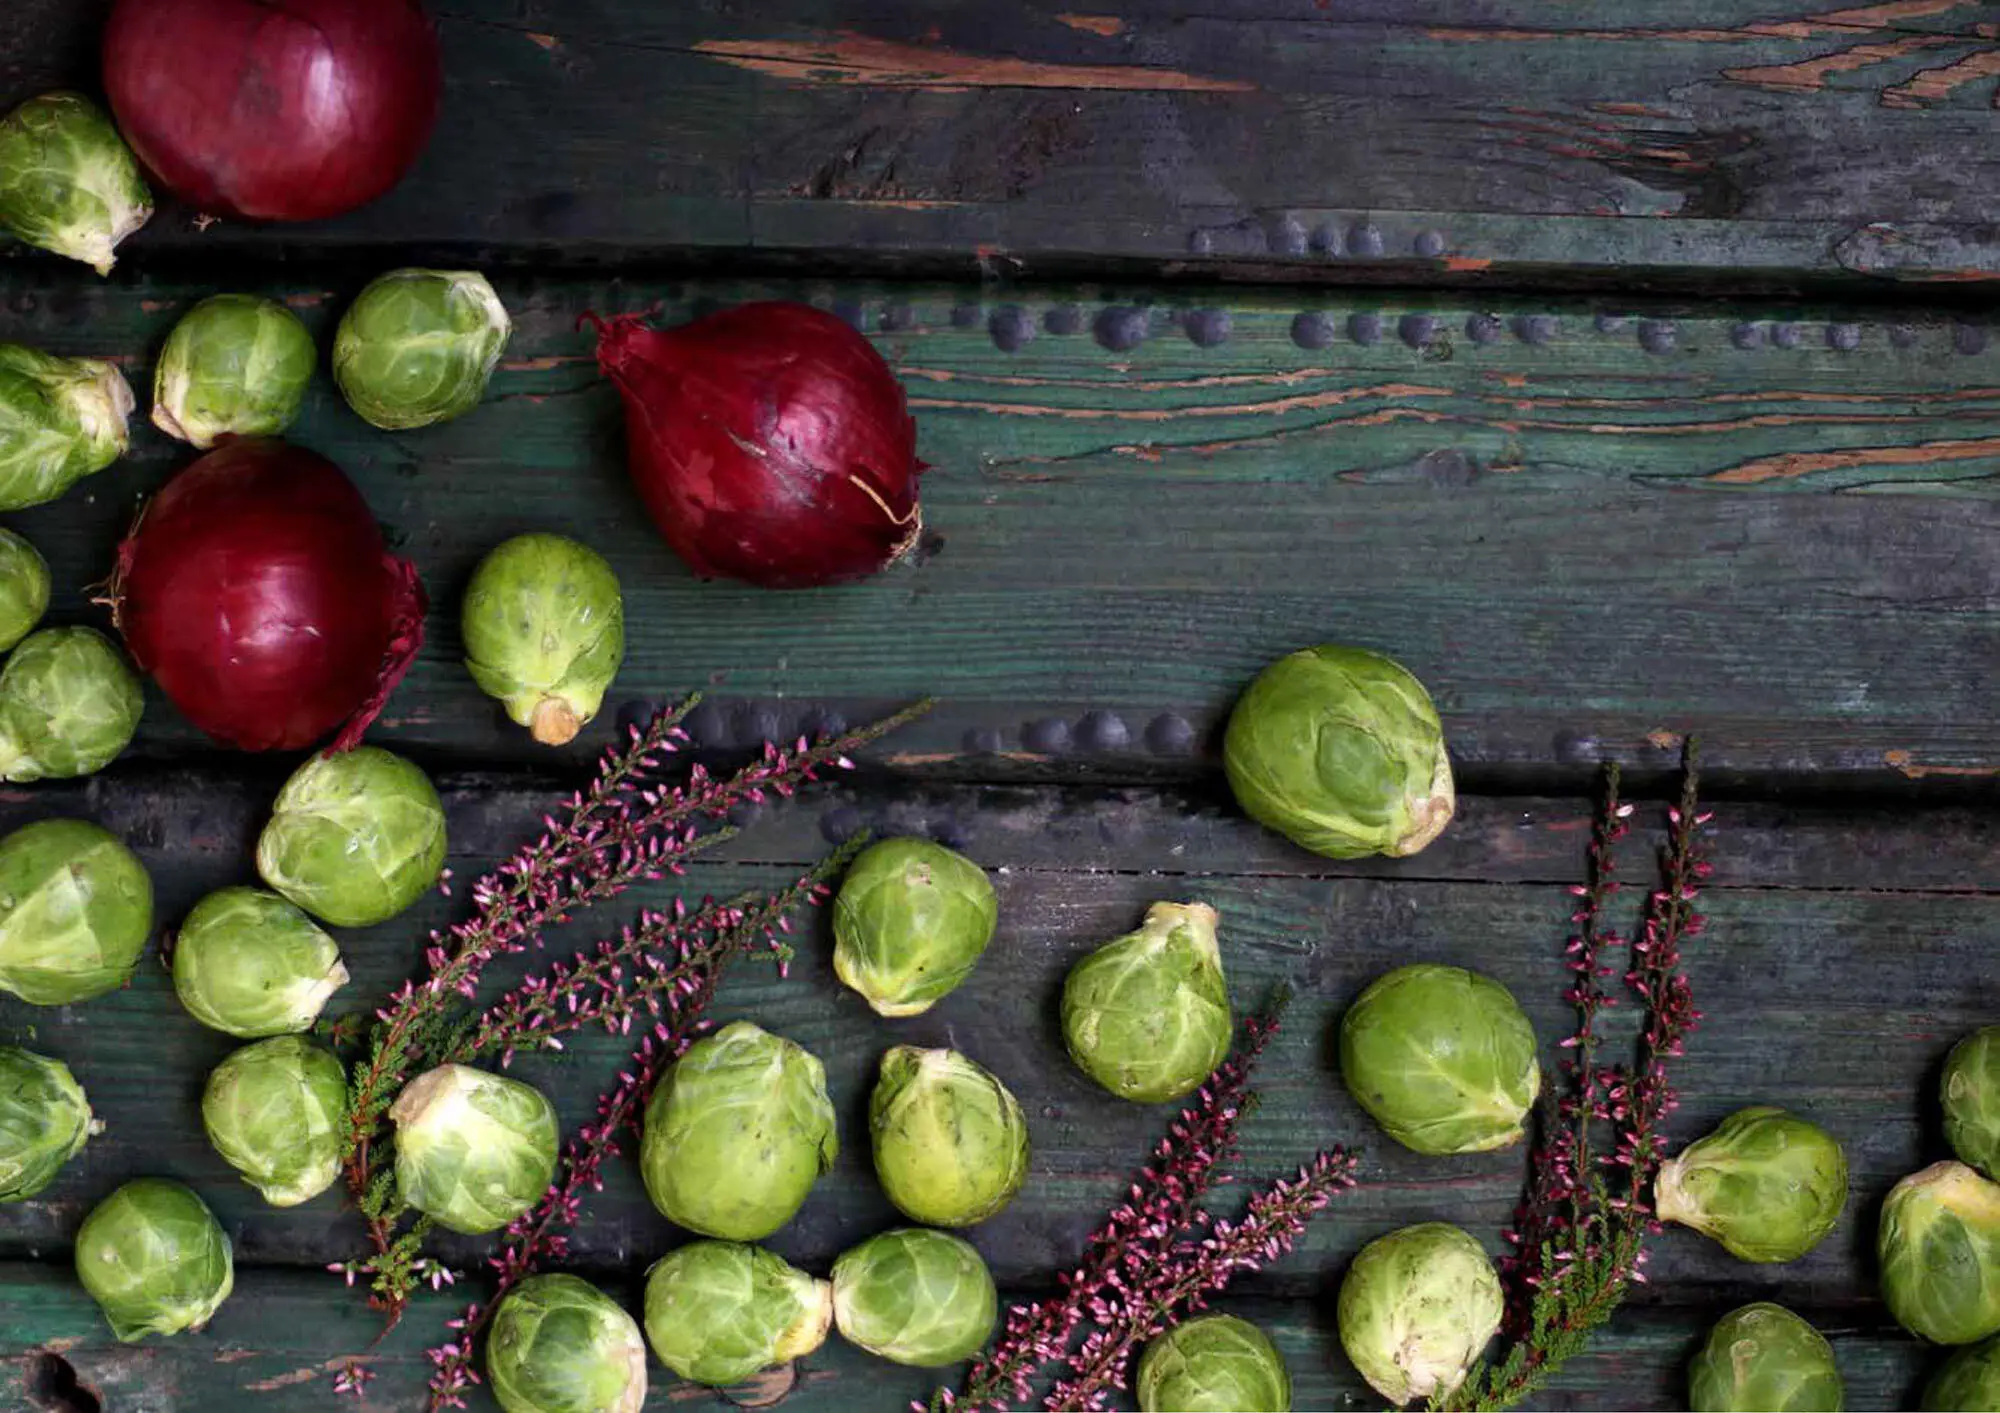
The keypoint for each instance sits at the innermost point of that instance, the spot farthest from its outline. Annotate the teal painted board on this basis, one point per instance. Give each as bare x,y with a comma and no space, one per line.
1588,528
1699,145
278,1343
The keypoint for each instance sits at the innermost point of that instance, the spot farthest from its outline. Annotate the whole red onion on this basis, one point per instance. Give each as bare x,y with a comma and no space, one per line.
770,442
277,110
256,590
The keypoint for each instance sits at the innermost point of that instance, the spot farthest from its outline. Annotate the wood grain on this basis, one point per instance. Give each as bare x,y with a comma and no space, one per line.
1732,144
1588,528
1835,977
277,1342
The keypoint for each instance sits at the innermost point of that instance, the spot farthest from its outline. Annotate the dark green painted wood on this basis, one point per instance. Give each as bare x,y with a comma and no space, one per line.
1833,979
277,1342
1738,143
1585,531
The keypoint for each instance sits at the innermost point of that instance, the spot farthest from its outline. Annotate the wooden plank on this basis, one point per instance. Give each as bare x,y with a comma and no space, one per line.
1825,991
1587,529
1739,143
277,1342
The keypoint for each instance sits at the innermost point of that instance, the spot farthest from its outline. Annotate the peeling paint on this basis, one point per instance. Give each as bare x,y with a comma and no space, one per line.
1105,25
1792,464
1903,761
886,63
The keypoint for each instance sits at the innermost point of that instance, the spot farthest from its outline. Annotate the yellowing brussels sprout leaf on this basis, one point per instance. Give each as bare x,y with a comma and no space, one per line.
718,1312
1939,1251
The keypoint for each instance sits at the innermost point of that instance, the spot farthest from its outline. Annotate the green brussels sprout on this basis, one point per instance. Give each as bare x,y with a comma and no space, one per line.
473,1150
1764,1359
544,628
75,909
235,365
354,838
68,182
1971,1091
915,1296
24,588
737,1133
273,1110
61,419
718,1311
910,923
44,1121
1968,1382
951,1144
1147,1016
1416,1309
69,703
1766,1184
251,964
154,1259
560,1345
1339,750
1214,1364
1442,1058
1939,1250
417,346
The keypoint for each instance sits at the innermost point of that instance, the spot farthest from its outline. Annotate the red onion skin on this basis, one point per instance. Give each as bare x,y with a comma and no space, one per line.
769,442
274,110
255,589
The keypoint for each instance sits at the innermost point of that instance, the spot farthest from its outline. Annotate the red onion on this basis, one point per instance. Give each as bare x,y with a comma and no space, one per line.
277,110
256,590
770,442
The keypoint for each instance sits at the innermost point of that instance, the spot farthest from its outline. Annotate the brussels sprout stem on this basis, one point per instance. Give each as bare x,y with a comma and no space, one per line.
1157,1255
1579,1238
704,941
628,827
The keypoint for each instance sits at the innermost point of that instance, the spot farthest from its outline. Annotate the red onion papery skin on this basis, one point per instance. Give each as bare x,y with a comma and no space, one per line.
256,590
770,442
275,110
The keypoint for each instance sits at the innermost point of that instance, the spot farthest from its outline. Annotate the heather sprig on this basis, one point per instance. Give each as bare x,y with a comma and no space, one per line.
1158,1253
703,944
629,826
1580,1236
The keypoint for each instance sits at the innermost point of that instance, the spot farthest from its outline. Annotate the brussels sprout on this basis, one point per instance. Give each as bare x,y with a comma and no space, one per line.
1971,1090
560,1345
1939,1249
75,909
235,365
417,346
68,182
544,631
61,419
1147,1016
1968,1382
1442,1058
737,1133
24,588
354,838
1214,1364
69,703
1340,750
1768,1185
910,924
951,1144
154,1259
916,1297
249,963
1764,1359
473,1150
1416,1309
44,1121
273,1111
718,1312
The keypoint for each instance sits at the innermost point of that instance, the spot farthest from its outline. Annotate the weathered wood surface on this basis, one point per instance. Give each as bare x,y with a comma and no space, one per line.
1849,947
1742,142
275,1346
1587,527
